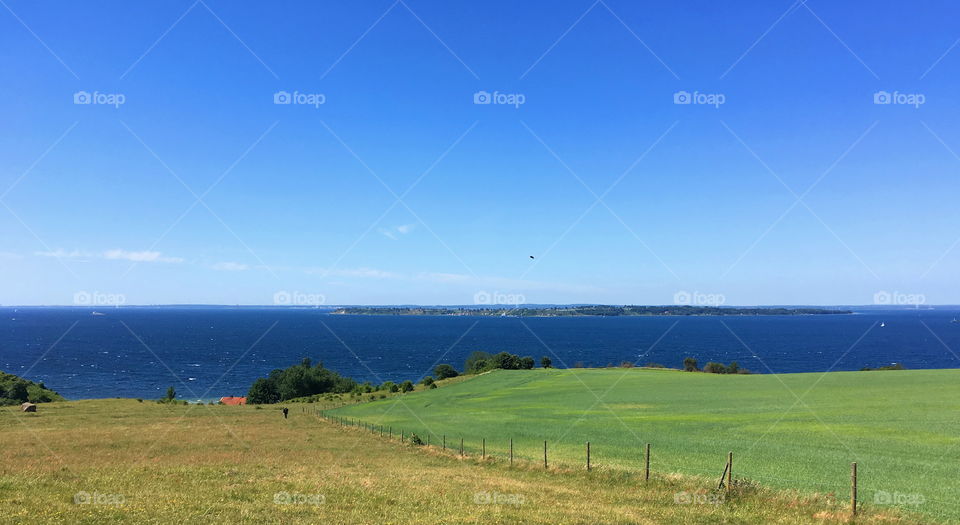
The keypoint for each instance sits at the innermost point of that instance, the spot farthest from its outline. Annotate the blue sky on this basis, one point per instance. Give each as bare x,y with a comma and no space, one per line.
398,188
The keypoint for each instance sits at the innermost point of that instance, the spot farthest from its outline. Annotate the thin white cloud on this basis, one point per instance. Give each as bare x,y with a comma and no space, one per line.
229,266
394,232
142,256
114,255
63,254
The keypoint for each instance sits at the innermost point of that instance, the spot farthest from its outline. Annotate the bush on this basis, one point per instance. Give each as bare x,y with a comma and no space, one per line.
445,371
407,386
527,363
654,365
715,368
416,440
690,364
546,362
433,385
427,381
476,362
302,380
394,387
626,364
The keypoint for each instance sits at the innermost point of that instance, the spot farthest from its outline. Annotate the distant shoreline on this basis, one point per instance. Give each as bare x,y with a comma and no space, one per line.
586,311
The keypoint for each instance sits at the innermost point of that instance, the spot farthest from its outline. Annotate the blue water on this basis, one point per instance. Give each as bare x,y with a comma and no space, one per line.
212,352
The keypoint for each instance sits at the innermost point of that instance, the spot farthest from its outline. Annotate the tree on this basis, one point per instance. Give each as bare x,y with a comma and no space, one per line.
734,368
263,391
505,361
394,387
427,381
171,394
715,368
445,371
546,362
407,386
18,391
690,364
526,363
477,362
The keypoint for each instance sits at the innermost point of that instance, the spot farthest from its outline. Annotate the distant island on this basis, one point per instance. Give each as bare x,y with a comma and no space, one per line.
577,311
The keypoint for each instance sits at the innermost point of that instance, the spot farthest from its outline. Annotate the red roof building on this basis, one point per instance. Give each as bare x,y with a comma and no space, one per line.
234,401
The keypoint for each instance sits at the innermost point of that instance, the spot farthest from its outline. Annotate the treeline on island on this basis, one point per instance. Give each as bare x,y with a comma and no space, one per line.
571,311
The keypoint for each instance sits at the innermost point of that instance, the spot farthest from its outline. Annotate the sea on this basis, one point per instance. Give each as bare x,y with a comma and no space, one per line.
209,352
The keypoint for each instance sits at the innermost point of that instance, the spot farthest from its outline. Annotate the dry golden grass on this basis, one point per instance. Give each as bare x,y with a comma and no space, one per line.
203,464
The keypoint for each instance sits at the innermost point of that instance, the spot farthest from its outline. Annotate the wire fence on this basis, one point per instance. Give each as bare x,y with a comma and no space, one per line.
847,487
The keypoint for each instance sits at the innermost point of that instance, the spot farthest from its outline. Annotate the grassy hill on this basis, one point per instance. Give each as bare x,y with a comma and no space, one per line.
797,431
15,390
120,461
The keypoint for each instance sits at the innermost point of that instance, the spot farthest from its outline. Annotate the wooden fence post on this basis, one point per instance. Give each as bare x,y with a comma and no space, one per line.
483,448
647,467
444,442
853,488
511,452
544,454
401,435
461,447
730,470
588,455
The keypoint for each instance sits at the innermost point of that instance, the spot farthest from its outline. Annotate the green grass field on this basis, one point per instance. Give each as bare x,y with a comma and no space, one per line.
901,427
120,461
